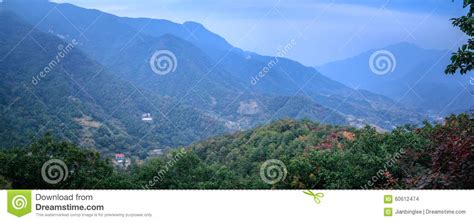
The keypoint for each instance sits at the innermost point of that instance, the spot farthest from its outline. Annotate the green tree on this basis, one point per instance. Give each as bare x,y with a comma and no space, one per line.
22,167
462,60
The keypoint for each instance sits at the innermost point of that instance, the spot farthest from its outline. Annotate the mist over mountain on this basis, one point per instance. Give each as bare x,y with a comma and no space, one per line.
226,88
417,80
212,67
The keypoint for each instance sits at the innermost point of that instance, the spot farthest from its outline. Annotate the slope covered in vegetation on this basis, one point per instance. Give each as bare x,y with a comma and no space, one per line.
314,156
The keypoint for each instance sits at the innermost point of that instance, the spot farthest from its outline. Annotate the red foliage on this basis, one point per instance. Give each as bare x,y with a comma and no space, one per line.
453,155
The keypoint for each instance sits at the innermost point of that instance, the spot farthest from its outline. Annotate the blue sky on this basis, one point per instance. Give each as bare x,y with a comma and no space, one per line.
324,30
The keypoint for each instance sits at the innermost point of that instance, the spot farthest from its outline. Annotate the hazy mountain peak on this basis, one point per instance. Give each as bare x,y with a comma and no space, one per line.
415,77
210,72
193,24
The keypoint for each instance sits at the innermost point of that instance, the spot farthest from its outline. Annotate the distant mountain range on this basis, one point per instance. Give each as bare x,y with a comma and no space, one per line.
417,80
107,79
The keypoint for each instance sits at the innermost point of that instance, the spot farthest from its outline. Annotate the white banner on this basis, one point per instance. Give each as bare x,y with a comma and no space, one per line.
239,205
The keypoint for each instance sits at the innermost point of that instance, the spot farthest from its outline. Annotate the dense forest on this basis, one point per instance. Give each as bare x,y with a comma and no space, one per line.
313,155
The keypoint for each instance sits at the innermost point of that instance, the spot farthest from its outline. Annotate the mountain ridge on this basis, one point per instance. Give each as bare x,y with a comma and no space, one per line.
82,101
200,79
408,84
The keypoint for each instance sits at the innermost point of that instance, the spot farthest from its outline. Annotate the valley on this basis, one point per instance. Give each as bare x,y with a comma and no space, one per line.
146,103
212,79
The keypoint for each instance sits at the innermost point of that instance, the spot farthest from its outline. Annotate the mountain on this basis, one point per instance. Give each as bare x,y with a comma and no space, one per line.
89,79
285,77
127,52
418,79
189,31
211,75
50,85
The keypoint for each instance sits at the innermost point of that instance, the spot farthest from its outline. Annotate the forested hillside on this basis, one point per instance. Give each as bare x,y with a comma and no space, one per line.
124,102
212,75
316,156
49,85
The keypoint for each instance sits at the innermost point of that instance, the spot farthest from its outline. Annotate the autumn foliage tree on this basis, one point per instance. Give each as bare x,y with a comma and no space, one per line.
453,155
